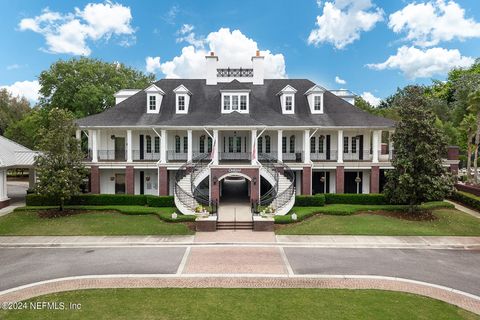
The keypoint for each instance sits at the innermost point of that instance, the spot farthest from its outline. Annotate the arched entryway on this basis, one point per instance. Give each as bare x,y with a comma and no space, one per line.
234,191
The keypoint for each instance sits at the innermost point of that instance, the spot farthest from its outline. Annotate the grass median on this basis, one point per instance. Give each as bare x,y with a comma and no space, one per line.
96,221
239,304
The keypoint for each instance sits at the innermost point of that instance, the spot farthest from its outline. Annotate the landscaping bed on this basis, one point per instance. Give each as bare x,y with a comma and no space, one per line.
95,221
242,304
355,220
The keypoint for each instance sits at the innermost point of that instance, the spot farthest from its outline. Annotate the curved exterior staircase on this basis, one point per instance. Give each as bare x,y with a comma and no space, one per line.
189,195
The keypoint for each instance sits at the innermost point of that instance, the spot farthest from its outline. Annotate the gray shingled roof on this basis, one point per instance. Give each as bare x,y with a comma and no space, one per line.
265,108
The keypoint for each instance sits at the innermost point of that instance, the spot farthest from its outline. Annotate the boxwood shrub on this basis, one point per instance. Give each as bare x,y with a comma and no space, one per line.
467,199
317,200
347,198
103,199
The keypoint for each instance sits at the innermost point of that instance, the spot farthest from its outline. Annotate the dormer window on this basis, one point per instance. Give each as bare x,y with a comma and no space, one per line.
182,99
152,103
154,98
235,101
315,99
288,103
317,102
287,99
181,103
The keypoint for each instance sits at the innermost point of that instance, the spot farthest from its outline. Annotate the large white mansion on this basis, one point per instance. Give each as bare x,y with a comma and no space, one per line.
187,137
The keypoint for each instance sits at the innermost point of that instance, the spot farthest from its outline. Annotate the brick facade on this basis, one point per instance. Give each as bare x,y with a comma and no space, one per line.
252,173
339,179
130,180
375,180
4,203
94,180
162,181
307,181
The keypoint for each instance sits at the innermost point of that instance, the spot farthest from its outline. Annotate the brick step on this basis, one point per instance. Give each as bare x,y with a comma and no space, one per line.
237,225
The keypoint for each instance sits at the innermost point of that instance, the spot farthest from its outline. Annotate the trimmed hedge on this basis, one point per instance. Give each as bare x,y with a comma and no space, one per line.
317,200
467,199
103,199
353,198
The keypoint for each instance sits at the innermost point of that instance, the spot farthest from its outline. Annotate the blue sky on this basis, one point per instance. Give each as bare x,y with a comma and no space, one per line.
359,42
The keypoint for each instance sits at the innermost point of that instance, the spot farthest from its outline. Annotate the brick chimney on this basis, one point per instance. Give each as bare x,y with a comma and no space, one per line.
258,68
212,65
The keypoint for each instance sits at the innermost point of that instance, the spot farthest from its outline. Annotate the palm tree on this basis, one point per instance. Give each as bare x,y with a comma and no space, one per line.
474,107
469,128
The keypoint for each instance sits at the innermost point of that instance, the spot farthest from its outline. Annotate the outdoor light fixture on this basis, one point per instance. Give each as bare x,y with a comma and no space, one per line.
147,178
112,178
112,137
322,179
215,180
358,179
254,180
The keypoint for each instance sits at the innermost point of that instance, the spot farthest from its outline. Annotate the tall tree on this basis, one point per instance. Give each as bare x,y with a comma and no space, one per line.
418,173
468,128
86,86
59,166
474,107
12,109
26,131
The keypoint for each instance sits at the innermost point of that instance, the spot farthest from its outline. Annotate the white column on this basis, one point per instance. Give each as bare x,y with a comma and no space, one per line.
340,146
78,134
163,146
306,146
254,147
375,146
279,145
129,146
93,134
216,146
190,145
3,185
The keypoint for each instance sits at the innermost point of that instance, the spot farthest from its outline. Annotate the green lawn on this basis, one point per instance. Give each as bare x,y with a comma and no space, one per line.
248,304
100,220
450,222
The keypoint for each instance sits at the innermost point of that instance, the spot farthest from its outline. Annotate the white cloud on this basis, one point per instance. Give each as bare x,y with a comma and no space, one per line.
69,33
233,48
186,28
342,22
14,66
28,89
152,64
370,98
340,80
428,23
417,63
187,35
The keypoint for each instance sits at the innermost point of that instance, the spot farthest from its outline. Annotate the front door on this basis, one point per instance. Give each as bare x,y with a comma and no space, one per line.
119,183
119,148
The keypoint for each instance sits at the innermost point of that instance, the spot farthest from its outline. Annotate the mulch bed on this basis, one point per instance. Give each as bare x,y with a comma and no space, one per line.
404,215
55,213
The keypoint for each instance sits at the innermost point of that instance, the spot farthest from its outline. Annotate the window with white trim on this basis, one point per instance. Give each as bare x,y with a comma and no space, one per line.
354,145
345,144
292,144
152,103
317,103
312,144
202,144
260,145
320,144
284,144
185,144
149,144
177,144
238,102
267,144
288,103
181,103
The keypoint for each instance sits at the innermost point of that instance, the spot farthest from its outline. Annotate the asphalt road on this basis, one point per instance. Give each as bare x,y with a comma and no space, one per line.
459,269
23,266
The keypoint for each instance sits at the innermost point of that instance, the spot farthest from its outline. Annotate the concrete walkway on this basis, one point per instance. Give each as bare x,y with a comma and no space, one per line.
449,295
245,238
471,212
